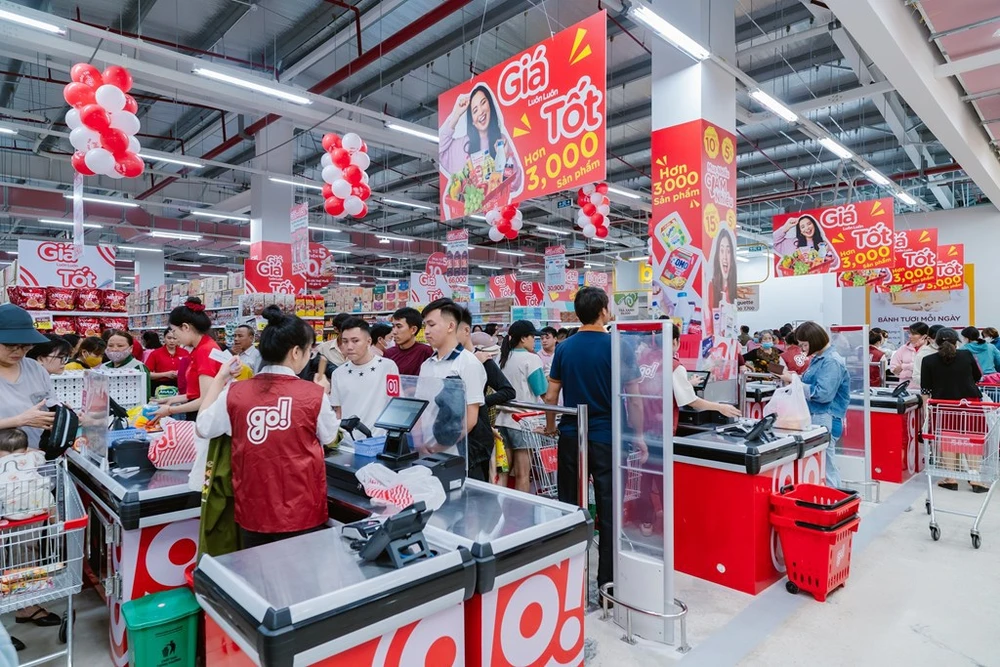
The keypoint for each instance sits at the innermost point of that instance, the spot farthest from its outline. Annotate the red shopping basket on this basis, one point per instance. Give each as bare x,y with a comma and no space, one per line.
818,558
820,505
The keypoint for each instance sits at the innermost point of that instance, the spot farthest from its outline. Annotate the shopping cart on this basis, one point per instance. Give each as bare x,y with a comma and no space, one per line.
963,443
544,452
991,392
41,541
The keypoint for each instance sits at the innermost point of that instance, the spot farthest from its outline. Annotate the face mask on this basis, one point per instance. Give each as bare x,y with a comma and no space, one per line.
118,356
988,339
767,346
92,362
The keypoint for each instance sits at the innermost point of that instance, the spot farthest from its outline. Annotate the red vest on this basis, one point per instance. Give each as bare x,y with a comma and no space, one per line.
279,476
677,410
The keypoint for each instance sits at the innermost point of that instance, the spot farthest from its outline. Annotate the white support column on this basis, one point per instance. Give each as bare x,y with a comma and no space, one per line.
270,203
148,265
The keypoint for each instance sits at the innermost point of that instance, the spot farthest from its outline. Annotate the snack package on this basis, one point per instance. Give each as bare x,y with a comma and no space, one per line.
29,298
63,325
113,300
88,326
115,323
88,298
60,298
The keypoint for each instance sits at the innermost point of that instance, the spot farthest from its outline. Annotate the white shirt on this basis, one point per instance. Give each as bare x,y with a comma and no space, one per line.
214,421
250,358
684,392
360,390
461,364
521,364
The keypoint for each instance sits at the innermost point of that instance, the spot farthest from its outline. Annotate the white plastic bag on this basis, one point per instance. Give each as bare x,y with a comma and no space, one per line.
402,489
789,405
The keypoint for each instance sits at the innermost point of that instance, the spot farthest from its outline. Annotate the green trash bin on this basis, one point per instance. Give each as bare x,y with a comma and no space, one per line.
162,629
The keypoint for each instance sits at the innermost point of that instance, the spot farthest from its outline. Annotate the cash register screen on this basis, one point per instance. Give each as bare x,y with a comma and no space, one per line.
401,414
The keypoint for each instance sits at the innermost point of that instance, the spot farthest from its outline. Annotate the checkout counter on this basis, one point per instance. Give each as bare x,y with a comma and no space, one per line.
895,423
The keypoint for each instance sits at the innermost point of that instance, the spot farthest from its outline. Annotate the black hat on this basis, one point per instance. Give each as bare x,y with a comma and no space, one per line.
17,327
522,329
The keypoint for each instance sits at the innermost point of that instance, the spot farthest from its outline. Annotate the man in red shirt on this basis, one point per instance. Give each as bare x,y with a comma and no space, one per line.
408,354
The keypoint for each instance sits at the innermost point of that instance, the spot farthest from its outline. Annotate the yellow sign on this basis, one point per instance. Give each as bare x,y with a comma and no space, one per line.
711,142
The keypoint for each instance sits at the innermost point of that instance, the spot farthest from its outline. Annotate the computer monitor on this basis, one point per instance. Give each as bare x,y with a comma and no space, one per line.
401,414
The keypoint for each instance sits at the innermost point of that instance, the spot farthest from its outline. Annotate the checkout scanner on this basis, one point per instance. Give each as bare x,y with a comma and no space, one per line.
691,417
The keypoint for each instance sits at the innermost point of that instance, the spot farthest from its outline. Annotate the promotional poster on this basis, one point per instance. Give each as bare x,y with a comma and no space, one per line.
57,264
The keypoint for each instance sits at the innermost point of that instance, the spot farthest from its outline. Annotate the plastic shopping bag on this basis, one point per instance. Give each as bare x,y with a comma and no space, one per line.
402,489
790,407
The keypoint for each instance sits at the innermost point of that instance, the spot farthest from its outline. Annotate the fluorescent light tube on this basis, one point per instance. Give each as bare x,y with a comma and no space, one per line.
414,131
905,198
350,284
101,200
31,23
645,15
379,268
324,229
529,271
643,258
251,85
382,238
623,193
171,160
68,223
774,105
512,253
491,267
552,230
138,249
175,235
342,252
7,130
219,216
876,177
191,264
298,184
478,217
244,242
407,203
211,254
835,148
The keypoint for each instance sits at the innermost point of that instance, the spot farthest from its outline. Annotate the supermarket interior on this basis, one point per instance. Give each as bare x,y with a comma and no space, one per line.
400,333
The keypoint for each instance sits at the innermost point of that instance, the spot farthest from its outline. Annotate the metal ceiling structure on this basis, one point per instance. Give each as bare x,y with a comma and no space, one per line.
367,62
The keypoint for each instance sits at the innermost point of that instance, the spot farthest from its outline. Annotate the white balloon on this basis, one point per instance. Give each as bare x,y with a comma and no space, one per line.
99,160
341,216
110,97
353,205
326,160
114,174
516,224
83,139
604,209
364,177
361,160
342,189
493,217
590,231
330,175
496,235
73,119
125,121
133,145
597,199
518,216
351,142
589,189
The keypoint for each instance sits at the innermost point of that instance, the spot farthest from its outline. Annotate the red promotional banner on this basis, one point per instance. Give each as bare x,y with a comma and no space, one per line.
949,272
849,237
321,267
916,259
524,293
531,126
269,269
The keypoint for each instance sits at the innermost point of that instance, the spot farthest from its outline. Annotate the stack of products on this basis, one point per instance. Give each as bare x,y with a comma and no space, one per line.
149,308
84,311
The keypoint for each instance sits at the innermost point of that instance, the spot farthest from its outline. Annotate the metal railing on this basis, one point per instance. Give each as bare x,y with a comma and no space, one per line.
741,386
681,615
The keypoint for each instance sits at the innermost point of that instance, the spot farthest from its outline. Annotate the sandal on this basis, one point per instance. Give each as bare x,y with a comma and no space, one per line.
46,620
951,486
979,488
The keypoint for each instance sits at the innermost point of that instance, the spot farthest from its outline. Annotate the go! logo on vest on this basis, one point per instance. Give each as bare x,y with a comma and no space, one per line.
264,419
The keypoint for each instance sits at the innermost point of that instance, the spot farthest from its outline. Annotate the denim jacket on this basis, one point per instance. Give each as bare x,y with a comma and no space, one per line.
827,385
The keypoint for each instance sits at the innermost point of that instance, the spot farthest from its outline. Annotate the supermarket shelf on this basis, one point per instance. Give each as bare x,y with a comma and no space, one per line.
367,312
74,313
167,312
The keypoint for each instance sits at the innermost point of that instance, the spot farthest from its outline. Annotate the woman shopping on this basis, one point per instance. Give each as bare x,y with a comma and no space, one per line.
119,353
279,425
985,353
761,359
193,328
827,387
523,369
901,362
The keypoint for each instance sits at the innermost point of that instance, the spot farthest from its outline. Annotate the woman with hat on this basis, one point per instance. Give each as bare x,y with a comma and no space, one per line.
523,369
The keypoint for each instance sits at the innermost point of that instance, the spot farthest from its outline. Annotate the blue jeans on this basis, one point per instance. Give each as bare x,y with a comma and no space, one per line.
832,472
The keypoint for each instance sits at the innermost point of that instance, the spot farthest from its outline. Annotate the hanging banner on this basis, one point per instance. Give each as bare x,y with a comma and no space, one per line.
555,268
321,267
569,290
55,264
949,270
849,237
531,126
953,308
916,259
300,238
524,293
427,287
268,270
457,257
436,264
597,279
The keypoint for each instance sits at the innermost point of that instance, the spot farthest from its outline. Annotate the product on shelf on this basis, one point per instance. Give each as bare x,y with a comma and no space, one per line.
113,301
114,323
60,298
29,298
63,325
88,326
88,299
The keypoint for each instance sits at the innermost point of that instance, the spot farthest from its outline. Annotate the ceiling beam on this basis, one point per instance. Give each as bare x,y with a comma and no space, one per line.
970,64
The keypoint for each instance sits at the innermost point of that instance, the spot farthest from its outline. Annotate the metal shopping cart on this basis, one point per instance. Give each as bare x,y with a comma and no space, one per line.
963,443
41,541
991,392
544,452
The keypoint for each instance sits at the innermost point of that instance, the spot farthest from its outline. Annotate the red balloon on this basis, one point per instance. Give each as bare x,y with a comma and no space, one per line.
361,191
340,158
504,225
511,234
330,141
363,212
86,74
115,141
602,188
508,211
327,191
597,220
352,174
334,206
589,209
602,232
131,105
80,164
119,77
78,94
130,166
96,118
580,194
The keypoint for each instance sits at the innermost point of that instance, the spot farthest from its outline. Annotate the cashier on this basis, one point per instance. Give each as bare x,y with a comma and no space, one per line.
684,394
279,424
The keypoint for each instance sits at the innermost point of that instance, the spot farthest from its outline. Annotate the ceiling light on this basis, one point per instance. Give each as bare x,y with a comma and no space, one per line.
829,144
590,264
244,242
68,223
413,130
645,15
624,193
643,258
876,177
191,264
478,217
211,254
609,239
298,184
211,275
386,280
384,239
774,105
101,200
323,229
175,235
171,160
491,267
350,284
11,252
7,130
379,268
386,256
512,253
138,249
31,23
552,230
219,216
741,259
529,271
407,203
342,252
251,85
905,198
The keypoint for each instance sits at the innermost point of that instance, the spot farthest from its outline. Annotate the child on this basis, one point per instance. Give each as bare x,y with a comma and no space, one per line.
23,491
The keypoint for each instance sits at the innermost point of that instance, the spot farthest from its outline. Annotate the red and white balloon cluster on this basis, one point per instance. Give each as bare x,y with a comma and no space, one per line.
505,223
344,175
594,209
102,122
